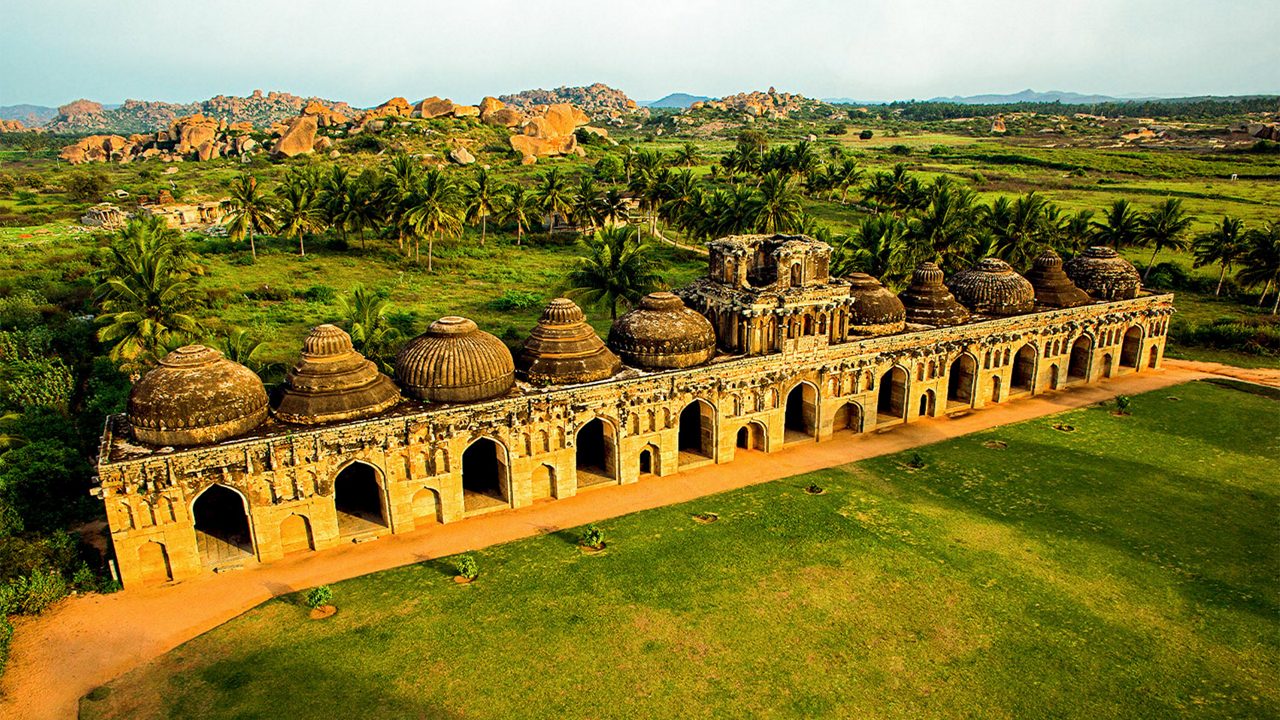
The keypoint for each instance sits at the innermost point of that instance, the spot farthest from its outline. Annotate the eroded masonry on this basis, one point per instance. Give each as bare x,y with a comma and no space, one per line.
767,350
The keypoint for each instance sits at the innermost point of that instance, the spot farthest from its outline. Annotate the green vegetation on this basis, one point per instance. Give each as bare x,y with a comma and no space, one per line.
1064,573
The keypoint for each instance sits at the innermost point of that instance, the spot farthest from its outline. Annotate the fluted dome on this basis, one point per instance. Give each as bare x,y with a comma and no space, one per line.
993,288
1101,272
875,311
196,396
455,361
334,382
1053,288
662,333
927,300
562,349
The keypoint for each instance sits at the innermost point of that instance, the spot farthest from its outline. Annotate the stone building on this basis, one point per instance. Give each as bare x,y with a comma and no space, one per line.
768,350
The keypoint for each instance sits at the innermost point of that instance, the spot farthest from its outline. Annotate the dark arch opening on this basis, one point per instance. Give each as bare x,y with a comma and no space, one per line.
222,526
1078,365
594,455
892,401
1024,369
1131,349
646,462
1155,357
696,434
801,413
484,475
961,379
927,404
848,417
358,499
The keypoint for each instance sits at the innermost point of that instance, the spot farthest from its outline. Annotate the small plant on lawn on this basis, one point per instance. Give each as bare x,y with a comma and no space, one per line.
593,537
318,597
814,489
1123,403
916,462
467,567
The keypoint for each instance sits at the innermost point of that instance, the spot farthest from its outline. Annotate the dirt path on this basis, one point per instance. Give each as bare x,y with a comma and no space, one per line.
86,641
1261,376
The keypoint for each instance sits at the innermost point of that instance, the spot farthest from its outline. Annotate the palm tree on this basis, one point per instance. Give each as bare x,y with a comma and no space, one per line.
518,207
248,211
436,210
687,155
1164,228
1222,246
297,213
145,293
366,314
362,202
613,207
779,206
1024,232
1076,233
399,186
617,266
482,200
1120,227
876,247
586,206
947,227
554,197
1262,261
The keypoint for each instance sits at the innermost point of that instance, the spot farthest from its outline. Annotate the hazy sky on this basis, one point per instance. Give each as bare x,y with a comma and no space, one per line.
54,51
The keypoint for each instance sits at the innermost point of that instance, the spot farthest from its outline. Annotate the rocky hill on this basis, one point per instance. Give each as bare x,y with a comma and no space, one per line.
142,116
597,99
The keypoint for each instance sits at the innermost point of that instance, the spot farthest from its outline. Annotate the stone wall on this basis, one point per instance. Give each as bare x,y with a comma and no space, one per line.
286,481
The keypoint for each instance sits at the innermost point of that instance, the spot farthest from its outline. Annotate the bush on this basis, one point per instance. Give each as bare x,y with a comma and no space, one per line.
1123,403
320,294
87,186
319,597
593,537
917,461
865,135
467,567
366,142
609,169
7,183
6,636
511,299
899,150
837,129
32,594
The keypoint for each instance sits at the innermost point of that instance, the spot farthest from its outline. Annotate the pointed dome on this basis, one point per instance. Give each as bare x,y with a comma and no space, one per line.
194,397
1101,272
992,288
562,349
1053,288
455,361
662,333
334,382
928,301
875,311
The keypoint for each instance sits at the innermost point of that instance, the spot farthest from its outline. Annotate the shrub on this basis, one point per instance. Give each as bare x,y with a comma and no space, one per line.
593,537
1123,403
32,594
366,142
6,636
917,461
7,183
467,567
837,129
87,186
512,299
319,596
865,135
320,294
899,150
26,197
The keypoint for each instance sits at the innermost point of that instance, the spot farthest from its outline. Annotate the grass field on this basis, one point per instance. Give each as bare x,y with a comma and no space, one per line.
1124,569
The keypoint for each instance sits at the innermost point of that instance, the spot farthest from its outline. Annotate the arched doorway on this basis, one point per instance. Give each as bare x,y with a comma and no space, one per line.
892,401
751,436
1054,377
646,462
357,497
295,535
995,389
848,417
928,404
426,508
1131,349
1024,369
1107,362
1154,357
153,563
1078,365
961,378
484,475
696,435
596,464
801,421
543,482
222,526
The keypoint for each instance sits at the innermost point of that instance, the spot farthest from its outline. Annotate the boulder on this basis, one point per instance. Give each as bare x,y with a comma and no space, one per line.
502,117
324,115
192,131
94,148
298,139
322,144
462,156
466,111
207,150
490,104
433,107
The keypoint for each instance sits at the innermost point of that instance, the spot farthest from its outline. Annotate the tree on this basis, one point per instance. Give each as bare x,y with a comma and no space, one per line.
518,206
613,207
688,155
482,200
365,313
436,210
249,211
586,204
1262,261
297,213
1164,227
554,197
875,247
617,266
1119,227
363,208
399,186
1222,246
145,292
779,206
947,227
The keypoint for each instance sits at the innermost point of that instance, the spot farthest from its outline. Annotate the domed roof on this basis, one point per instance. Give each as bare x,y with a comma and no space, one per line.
662,333
928,301
196,396
562,349
1101,272
875,311
334,382
455,361
1053,288
993,288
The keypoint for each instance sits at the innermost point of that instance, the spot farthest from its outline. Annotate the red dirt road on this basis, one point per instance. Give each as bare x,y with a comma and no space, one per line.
87,641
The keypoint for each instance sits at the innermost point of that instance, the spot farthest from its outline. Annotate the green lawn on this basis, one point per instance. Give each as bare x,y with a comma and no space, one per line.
1124,569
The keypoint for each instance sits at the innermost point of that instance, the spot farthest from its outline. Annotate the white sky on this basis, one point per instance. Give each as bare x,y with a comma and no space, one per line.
54,51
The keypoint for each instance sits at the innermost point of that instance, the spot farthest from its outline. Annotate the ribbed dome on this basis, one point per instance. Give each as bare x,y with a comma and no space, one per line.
194,397
993,288
1101,272
334,382
928,301
562,349
662,333
875,311
1053,288
455,361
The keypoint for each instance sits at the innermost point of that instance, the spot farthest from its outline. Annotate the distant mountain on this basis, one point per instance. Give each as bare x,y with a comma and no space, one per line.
1031,96
30,115
676,100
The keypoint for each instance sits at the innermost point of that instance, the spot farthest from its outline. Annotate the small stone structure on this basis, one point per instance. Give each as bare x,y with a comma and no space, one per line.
198,476
105,216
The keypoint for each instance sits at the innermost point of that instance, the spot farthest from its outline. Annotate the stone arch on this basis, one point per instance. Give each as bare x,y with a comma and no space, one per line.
295,534
595,452
1055,377
892,401
153,563
962,380
928,403
542,482
426,507
801,415
486,475
697,430
1131,348
1023,376
848,417
1081,355
359,499
1153,357
1107,362
650,460
996,386
753,436
220,519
